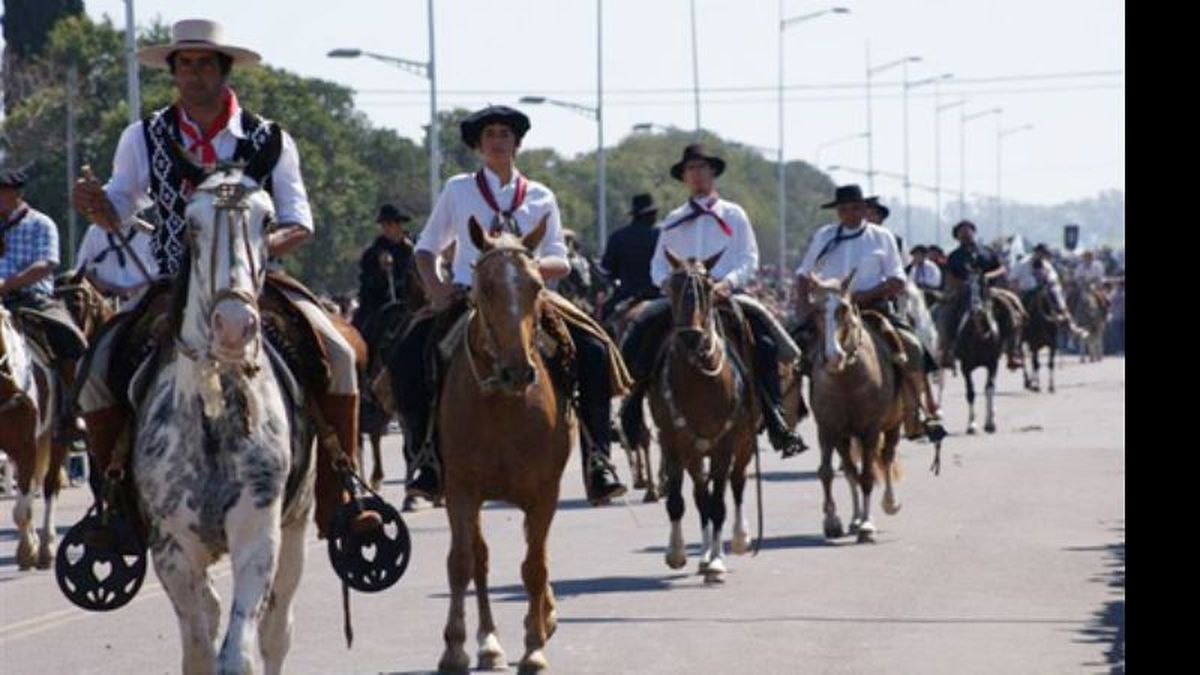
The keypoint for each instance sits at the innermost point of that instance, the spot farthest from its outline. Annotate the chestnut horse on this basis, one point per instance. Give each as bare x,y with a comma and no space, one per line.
705,405
505,434
857,403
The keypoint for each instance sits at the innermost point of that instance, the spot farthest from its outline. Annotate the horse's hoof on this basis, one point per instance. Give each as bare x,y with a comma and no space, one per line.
711,578
534,662
491,656
834,530
990,427
45,556
853,529
740,543
454,662
676,560
891,506
972,430
1051,390
26,558
376,483
639,483
651,496
866,534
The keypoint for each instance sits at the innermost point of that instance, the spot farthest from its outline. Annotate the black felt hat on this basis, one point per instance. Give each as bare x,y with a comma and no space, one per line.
472,126
13,178
963,223
696,151
389,212
846,194
643,204
884,211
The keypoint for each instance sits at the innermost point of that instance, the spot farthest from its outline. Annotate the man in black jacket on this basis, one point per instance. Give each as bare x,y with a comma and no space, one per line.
374,289
628,252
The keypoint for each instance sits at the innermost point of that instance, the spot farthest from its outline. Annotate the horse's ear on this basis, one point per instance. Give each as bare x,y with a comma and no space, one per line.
533,238
478,236
710,263
849,280
675,261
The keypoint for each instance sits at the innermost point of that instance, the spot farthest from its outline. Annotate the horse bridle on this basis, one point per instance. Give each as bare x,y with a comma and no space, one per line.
711,344
492,381
849,337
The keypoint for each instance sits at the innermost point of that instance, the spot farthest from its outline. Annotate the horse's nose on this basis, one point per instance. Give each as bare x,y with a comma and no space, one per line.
518,378
690,339
234,324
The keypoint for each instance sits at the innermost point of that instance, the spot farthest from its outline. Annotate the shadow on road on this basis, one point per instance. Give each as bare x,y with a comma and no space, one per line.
785,476
1107,625
817,619
565,588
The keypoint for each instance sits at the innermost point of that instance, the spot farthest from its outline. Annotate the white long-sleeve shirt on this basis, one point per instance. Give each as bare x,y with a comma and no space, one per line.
129,187
461,199
703,237
872,255
109,271
926,275
1027,278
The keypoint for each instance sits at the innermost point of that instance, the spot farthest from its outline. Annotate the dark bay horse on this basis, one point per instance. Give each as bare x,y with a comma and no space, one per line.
505,434
705,406
1041,332
979,345
857,402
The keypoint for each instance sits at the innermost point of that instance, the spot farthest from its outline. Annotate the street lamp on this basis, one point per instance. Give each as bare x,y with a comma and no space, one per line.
937,158
872,70
907,176
594,113
423,69
962,153
784,24
1000,136
650,126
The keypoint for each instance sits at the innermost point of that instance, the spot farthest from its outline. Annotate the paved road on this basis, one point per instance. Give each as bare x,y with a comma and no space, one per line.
1012,560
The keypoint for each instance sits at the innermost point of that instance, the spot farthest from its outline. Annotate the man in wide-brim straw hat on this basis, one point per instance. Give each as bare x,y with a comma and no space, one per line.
156,165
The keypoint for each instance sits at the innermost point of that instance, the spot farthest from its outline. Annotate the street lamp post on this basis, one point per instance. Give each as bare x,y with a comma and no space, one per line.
594,113
1001,134
428,70
872,70
937,159
962,154
836,141
907,176
131,65
695,70
781,167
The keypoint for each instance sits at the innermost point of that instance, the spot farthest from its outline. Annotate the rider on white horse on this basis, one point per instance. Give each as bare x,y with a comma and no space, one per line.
207,125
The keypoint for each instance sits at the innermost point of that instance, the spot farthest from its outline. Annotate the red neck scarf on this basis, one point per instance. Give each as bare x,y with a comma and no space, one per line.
502,219
16,216
699,210
199,141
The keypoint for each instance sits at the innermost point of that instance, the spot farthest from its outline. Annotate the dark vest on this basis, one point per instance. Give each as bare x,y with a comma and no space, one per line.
172,177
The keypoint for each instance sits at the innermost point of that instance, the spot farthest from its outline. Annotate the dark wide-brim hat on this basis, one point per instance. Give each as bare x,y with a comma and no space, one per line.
472,126
13,178
696,151
390,213
874,203
919,248
961,224
1042,248
196,34
846,194
643,204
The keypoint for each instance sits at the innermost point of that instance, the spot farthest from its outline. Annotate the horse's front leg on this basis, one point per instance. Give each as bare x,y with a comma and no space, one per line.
676,551
31,470
51,486
490,654
536,576
254,538
715,570
970,382
275,629
181,567
700,497
1050,366
866,481
740,543
833,524
377,453
461,511
891,438
989,390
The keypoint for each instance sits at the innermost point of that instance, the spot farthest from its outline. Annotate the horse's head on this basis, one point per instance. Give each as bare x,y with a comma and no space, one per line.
689,288
979,306
839,325
86,305
506,288
228,220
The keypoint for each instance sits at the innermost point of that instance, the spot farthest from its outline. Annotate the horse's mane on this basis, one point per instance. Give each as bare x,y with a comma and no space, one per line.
179,292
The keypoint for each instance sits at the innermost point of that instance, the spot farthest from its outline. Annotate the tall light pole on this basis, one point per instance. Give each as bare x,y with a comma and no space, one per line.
907,175
782,168
594,113
937,158
133,93
962,153
1001,134
695,69
428,70
601,211
873,70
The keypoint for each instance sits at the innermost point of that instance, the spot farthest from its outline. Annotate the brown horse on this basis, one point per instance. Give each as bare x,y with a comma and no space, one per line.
634,437
1041,332
513,447
705,406
85,303
858,405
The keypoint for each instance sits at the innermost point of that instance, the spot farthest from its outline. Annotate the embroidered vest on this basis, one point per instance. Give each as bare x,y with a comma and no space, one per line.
172,178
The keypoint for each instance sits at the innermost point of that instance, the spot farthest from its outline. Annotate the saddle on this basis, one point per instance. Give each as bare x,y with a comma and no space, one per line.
46,323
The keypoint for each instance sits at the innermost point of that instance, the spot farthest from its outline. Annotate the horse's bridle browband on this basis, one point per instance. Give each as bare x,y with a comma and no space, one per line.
491,382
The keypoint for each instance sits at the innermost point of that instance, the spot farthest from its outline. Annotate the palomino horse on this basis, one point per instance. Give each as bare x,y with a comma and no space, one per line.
513,447
979,345
28,399
857,403
219,440
705,406
1091,316
1041,331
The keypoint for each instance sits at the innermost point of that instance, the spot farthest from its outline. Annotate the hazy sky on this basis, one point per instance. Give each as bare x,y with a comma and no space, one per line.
1016,51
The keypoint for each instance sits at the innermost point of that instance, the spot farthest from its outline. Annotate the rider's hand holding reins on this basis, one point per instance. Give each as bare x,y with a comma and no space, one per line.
89,199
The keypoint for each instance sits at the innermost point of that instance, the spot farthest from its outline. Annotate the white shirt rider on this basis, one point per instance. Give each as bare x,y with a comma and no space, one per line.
705,236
